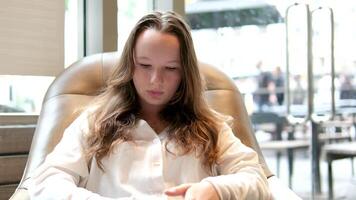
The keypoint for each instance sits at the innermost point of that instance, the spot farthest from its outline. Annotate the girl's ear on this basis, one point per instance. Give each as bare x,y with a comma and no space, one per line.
133,56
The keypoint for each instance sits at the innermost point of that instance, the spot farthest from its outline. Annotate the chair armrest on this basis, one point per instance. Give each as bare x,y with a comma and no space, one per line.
280,191
20,194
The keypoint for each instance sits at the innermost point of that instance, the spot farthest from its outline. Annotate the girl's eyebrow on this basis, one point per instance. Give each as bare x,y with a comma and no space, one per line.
173,62
143,57
146,58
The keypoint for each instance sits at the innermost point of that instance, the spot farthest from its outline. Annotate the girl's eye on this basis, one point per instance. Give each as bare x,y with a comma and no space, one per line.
171,68
144,65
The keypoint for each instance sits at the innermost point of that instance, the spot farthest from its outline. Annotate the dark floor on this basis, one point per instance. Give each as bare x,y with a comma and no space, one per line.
344,181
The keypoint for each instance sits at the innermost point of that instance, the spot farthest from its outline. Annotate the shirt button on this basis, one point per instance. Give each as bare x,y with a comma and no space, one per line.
156,141
157,163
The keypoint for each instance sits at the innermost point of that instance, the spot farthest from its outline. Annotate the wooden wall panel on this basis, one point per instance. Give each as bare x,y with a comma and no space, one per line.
6,191
32,37
16,139
11,168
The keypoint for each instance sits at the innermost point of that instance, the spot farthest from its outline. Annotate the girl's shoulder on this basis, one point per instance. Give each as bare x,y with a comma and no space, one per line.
222,119
81,122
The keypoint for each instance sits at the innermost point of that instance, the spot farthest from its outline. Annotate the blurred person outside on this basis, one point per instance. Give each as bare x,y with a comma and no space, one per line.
279,83
347,89
265,88
298,91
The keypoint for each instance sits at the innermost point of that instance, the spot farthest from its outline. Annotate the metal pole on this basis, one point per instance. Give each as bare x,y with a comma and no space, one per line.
314,118
332,59
315,151
287,88
292,120
311,116
316,186
310,64
332,64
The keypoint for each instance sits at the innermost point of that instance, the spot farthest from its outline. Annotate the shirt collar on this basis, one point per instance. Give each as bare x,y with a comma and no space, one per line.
144,131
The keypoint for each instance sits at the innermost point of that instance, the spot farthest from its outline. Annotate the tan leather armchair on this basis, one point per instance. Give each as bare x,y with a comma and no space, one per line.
80,83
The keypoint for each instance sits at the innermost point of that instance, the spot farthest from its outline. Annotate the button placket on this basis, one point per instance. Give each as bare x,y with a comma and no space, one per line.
156,165
156,154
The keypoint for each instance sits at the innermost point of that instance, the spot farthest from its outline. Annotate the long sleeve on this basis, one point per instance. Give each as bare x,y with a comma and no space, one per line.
65,172
64,169
240,174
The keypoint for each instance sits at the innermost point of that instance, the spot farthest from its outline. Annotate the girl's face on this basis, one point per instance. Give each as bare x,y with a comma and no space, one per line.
157,71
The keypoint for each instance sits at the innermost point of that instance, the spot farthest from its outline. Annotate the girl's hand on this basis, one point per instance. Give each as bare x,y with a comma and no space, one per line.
197,191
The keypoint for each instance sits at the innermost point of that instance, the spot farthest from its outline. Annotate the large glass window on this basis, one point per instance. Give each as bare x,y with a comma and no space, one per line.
129,12
247,40
24,94
251,35
73,31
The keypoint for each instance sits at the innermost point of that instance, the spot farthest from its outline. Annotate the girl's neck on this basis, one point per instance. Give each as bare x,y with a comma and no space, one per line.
153,118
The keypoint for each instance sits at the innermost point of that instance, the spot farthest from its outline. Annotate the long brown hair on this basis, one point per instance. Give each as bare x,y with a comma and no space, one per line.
192,125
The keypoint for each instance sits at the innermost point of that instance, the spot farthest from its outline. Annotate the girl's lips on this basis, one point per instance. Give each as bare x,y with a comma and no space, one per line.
155,93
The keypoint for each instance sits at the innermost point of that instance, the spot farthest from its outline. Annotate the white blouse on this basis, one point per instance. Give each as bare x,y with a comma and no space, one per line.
143,169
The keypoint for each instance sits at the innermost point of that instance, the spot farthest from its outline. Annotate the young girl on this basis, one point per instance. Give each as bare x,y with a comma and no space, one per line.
150,134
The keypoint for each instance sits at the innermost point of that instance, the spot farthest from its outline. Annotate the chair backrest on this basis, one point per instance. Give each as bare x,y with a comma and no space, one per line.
80,83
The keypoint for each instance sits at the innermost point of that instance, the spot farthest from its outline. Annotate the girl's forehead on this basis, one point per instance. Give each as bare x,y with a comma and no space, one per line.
153,36
154,44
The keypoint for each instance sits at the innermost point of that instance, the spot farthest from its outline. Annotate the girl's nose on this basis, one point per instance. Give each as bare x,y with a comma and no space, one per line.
156,76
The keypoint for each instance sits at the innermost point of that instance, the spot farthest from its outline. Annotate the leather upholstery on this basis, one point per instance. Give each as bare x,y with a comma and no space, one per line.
78,84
